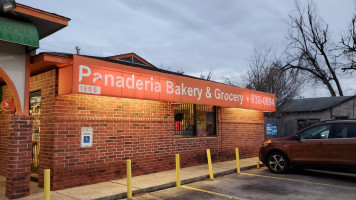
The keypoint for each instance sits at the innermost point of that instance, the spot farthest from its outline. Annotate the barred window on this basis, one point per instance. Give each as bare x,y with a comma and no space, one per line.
193,120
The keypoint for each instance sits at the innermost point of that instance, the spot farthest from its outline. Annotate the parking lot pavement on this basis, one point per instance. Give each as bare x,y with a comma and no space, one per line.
261,184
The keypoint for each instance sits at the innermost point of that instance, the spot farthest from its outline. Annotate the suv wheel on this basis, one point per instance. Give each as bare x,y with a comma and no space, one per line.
277,162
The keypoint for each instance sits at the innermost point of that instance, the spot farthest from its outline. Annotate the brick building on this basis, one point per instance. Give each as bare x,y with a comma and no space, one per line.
146,130
83,116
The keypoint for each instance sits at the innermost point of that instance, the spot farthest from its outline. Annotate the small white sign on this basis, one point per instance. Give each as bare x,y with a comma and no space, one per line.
86,137
89,89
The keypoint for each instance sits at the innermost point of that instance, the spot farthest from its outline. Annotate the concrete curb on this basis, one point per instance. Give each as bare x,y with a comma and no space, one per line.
173,184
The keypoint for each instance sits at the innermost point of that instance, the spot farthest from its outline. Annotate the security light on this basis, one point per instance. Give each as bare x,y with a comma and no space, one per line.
7,5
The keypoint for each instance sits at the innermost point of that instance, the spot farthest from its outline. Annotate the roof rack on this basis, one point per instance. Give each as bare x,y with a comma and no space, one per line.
332,120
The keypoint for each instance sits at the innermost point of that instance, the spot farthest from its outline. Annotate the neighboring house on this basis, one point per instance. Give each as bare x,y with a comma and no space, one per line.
301,113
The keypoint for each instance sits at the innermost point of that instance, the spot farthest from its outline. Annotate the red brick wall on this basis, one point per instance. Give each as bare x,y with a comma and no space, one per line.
19,157
140,130
4,131
193,150
243,129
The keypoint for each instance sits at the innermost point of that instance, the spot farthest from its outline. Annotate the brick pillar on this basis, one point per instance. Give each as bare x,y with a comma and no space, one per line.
19,157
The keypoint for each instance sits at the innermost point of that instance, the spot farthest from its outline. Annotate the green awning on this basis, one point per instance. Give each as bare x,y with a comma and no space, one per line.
18,32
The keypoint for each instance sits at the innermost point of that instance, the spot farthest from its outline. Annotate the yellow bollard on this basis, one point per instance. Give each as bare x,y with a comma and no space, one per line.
129,180
210,166
178,170
237,160
47,184
258,164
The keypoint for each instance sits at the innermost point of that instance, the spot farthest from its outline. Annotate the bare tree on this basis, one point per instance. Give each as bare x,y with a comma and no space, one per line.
208,76
168,68
348,46
233,79
266,74
311,51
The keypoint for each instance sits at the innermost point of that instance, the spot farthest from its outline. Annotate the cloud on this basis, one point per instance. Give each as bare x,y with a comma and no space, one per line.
188,35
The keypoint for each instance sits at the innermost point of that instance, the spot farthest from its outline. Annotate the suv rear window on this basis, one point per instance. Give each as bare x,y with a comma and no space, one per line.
345,131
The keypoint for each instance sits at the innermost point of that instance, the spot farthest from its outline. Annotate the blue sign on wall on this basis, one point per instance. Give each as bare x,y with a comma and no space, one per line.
86,139
271,128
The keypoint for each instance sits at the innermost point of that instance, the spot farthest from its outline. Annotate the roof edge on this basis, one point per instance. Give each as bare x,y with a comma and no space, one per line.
41,14
341,102
133,55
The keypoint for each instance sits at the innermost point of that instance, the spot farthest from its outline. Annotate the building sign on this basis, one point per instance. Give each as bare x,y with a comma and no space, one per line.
271,128
86,137
35,100
8,105
91,76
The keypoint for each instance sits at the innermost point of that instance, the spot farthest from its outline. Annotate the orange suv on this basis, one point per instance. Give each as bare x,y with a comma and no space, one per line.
329,145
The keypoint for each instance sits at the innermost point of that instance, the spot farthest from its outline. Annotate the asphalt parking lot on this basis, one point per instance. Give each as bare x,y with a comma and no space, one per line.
261,184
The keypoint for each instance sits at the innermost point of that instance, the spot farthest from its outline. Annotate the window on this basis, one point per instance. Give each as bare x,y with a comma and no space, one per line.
304,123
193,120
316,132
345,131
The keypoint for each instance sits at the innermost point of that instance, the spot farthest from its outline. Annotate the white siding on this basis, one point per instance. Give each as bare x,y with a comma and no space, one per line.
13,62
346,109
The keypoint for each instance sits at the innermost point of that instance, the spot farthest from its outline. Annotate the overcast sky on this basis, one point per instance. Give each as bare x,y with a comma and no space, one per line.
193,36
